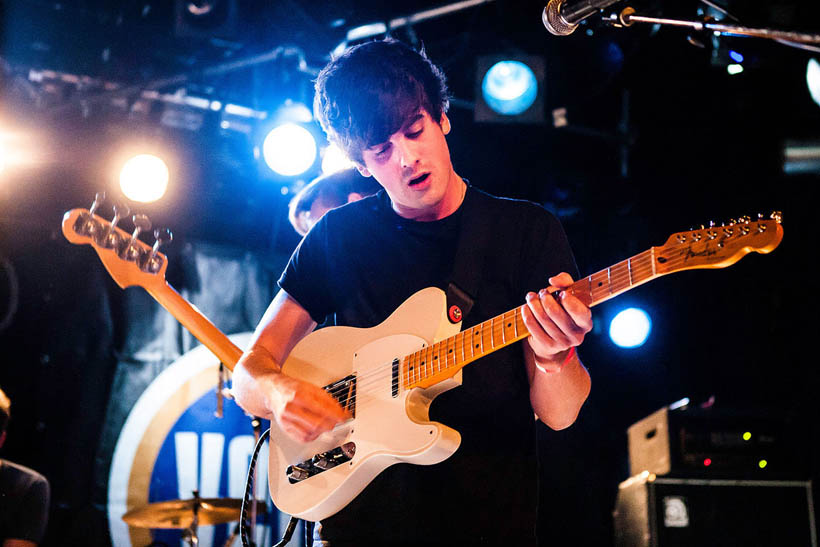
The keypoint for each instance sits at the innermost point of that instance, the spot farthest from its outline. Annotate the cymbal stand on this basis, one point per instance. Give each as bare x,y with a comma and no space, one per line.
190,533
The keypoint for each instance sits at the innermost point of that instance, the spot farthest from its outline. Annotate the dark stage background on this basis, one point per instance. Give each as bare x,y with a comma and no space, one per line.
660,138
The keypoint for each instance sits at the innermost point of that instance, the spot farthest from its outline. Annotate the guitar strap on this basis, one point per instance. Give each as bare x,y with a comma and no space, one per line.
476,223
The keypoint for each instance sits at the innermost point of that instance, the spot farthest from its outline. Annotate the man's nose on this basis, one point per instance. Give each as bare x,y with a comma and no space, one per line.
407,154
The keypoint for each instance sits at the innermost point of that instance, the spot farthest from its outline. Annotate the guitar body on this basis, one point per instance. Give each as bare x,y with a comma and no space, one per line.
387,429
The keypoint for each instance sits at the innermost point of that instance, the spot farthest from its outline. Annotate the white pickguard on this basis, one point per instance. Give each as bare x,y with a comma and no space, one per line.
386,429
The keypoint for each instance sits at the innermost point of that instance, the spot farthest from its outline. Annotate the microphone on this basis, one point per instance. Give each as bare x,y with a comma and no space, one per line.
561,17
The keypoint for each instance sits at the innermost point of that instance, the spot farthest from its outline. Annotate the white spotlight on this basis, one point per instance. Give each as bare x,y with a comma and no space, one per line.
144,178
289,149
334,160
813,79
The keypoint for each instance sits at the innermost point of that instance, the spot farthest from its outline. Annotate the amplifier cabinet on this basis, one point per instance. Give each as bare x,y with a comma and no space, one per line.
685,512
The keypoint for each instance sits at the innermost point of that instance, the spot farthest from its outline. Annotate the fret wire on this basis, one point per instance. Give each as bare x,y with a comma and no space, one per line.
492,333
516,312
433,355
438,355
608,287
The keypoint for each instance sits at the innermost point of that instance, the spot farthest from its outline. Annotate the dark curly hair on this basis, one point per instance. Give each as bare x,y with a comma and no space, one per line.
367,93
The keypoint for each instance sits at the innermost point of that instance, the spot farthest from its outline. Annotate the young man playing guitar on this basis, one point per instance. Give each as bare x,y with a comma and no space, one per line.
385,105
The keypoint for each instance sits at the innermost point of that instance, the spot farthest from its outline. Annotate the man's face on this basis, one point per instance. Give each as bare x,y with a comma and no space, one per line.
414,167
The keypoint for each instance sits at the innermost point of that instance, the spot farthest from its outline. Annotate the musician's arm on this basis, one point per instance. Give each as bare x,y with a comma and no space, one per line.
557,397
300,409
559,382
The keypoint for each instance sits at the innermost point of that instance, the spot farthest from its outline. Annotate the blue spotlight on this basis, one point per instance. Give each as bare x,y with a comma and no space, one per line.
289,149
630,328
509,87
736,57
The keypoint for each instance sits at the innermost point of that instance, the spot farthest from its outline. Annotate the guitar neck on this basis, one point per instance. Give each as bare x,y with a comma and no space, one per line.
443,359
199,325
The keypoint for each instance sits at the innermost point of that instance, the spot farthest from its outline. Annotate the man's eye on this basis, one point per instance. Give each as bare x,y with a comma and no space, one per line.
382,151
414,134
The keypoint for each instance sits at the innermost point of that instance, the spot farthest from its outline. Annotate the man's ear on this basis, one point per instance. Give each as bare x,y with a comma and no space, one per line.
362,169
445,123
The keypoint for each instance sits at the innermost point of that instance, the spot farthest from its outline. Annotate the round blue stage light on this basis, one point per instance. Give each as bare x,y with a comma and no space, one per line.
509,87
630,328
289,149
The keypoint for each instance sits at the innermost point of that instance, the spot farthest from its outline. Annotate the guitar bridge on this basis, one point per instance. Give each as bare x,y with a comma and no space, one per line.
320,463
344,391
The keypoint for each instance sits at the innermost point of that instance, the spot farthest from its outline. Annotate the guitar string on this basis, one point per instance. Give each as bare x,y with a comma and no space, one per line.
429,368
596,292
362,381
365,381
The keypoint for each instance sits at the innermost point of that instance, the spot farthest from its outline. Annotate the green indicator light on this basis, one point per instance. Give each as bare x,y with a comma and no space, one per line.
747,436
762,464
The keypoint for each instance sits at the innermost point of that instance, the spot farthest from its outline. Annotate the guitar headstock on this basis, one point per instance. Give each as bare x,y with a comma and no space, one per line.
719,246
128,260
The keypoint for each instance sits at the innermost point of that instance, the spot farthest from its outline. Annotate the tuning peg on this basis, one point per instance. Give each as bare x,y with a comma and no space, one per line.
112,239
121,210
98,200
153,263
777,216
141,223
162,236
132,250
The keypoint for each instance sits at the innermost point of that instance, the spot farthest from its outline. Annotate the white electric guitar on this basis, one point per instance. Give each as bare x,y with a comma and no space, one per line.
388,375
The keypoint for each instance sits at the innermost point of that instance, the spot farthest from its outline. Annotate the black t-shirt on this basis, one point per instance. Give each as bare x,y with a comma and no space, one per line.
24,497
358,264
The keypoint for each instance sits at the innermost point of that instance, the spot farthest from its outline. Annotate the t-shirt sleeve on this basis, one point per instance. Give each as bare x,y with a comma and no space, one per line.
546,251
305,277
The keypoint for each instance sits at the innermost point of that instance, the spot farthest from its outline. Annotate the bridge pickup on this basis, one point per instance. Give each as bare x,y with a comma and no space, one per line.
320,463
344,391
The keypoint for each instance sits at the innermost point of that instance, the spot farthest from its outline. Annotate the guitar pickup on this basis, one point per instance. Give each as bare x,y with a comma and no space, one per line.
320,463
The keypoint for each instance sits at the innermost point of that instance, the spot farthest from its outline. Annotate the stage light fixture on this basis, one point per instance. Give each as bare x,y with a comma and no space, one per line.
630,328
510,89
736,56
333,160
144,178
813,79
289,149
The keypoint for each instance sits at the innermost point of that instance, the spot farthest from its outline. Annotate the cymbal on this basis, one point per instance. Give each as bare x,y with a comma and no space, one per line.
180,513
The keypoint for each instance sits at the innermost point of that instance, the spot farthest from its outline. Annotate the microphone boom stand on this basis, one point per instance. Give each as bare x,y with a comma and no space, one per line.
628,17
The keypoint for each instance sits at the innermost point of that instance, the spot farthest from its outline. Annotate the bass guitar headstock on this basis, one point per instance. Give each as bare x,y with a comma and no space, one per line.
719,246
128,260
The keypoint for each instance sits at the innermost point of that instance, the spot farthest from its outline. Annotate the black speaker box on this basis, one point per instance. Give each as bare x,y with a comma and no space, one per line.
685,512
